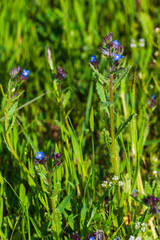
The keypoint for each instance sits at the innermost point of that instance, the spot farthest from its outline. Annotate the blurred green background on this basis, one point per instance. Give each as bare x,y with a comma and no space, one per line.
74,31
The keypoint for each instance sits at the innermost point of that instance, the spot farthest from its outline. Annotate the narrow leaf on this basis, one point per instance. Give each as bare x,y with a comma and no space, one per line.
125,124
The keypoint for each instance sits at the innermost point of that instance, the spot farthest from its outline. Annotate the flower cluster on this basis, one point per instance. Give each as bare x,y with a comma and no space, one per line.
19,74
92,236
94,61
117,238
140,226
75,236
61,74
153,102
42,159
154,173
152,202
115,181
112,49
133,238
141,43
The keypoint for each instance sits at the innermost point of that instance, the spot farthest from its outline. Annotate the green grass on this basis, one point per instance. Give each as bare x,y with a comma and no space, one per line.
75,120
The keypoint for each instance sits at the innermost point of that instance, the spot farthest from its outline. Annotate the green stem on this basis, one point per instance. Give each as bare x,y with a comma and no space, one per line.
8,138
114,160
53,204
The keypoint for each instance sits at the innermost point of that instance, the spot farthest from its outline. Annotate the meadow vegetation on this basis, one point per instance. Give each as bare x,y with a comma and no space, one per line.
79,119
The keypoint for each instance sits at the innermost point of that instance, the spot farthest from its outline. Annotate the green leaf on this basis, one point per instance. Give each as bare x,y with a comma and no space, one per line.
35,227
4,103
1,211
125,124
58,220
101,92
65,201
12,110
12,123
92,120
122,76
66,98
56,190
22,193
101,78
98,204
148,189
108,140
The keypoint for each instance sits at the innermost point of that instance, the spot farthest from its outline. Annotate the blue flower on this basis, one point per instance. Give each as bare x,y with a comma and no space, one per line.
116,43
93,58
153,96
39,155
25,73
91,238
117,57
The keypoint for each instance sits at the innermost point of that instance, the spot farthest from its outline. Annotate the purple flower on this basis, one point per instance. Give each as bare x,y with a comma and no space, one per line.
134,193
39,155
56,155
60,73
116,43
14,72
107,39
152,202
117,57
26,73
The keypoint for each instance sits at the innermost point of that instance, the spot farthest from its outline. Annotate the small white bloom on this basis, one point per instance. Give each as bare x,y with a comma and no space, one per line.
143,229
137,225
103,185
143,224
13,89
110,184
141,42
131,238
138,238
154,173
115,178
117,238
105,182
133,44
157,29
120,183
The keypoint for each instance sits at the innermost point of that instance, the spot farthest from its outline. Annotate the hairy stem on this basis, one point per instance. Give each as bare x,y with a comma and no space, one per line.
53,203
114,159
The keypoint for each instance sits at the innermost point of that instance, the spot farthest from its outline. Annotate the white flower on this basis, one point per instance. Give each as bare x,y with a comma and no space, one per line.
157,30
120,183
133,44
143,229
137,225
117,238
110,184
115,178
131,238
154,173
143,224
141,42
104,184
138,238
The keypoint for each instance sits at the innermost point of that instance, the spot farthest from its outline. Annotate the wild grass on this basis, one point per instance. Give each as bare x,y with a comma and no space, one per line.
72,117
